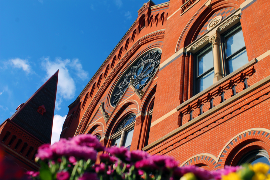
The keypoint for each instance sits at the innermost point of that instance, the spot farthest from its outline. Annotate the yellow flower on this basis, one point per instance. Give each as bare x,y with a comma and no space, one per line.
268,177
258,176
188,176
260,168
231,176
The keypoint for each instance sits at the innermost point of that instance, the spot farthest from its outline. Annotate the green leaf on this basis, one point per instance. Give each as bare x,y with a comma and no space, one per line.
44,172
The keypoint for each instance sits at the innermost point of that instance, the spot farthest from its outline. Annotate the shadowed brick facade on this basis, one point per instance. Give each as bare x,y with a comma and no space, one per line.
176,115
30,126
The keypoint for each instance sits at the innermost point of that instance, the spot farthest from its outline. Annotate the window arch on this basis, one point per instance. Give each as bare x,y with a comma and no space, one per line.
124,131
139,74
255,156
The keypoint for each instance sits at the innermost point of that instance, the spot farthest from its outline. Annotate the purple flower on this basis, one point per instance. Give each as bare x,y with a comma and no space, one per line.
63,175
106,158
44,152
110,170
197,171
170,163
138,155
87,140
66,148
146,164
72,160
32,173
100,168
222,172
88,176
120,152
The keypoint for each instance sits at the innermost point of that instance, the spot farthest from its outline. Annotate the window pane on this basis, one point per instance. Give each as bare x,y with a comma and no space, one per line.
234,43
128,138
205,62
117,142
260,159
237,61
206,81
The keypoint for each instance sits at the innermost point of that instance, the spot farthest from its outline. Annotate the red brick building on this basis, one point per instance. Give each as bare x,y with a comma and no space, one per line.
189,79
30,126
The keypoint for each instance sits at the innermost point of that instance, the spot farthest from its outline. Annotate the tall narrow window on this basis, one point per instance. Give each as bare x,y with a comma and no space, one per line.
128,139
6,136
18,143
124,131
235,50
205,69
12,140
227,54
24,147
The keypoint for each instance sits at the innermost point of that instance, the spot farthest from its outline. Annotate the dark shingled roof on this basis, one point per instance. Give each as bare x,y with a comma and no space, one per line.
28,118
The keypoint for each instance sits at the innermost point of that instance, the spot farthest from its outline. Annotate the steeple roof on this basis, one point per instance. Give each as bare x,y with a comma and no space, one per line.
36,114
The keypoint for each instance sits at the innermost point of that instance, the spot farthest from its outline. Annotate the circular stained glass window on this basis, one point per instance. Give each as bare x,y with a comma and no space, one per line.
141,72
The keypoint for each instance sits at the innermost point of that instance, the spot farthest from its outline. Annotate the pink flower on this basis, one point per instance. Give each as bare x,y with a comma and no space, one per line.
197,171
100,168
66,148
146,164
106,158
63,175
87,140
72,160
138,155
170,163
121,152
227,170
88,176
32,173
110,170
44,152
162,161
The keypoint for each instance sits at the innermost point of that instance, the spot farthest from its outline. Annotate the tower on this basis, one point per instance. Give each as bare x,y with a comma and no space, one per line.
30,126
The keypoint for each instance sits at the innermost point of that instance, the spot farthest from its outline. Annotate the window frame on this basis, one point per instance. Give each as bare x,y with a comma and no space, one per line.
224,60
122,132
197,77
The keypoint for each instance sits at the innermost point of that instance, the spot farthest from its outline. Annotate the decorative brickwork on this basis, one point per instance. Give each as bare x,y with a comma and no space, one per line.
211,127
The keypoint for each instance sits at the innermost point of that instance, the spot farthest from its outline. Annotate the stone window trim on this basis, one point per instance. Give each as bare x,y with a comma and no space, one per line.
214,32
121,133
253,155
213,37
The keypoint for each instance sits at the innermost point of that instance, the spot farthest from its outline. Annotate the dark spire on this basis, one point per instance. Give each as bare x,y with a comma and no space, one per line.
36,114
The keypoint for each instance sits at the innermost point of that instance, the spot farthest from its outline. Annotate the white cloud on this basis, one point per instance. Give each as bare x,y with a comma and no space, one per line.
58,121
77,66
3,108
118,3
66,85
21,63
1,93
128,15
58,103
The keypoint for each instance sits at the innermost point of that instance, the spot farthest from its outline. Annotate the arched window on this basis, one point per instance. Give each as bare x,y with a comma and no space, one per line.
12,140
255,156
150,112
6,136
18,143
98,136
124,132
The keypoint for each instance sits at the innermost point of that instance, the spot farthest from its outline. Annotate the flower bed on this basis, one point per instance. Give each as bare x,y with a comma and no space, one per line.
76,158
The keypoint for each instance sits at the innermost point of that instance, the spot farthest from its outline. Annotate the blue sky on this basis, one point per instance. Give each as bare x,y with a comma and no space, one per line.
37,37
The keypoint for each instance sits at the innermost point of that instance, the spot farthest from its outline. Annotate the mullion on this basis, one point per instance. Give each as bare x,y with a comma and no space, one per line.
236,53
